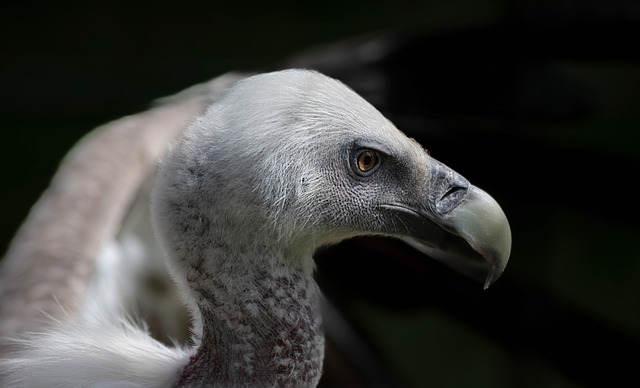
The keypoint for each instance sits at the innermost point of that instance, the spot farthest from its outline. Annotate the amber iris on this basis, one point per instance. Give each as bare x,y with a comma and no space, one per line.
367,160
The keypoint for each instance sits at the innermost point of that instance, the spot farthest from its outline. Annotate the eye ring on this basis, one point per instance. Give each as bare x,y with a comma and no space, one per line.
365,161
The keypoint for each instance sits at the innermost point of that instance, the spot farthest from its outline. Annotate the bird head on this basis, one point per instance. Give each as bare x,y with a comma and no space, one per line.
301,160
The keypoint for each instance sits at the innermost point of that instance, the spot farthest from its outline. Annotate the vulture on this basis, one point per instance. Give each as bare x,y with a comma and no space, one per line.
255,173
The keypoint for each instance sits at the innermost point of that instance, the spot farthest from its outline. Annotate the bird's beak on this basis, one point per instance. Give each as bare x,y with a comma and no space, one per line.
459,225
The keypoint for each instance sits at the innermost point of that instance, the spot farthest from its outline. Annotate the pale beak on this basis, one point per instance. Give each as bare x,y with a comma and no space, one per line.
459,225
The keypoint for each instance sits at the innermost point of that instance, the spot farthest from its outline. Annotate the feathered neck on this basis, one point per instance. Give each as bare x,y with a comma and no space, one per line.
260,327
249,284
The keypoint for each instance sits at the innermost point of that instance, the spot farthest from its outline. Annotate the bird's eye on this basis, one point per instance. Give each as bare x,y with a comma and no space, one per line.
366,161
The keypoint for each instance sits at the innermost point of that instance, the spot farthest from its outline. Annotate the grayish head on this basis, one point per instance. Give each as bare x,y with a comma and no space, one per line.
292,160
277,158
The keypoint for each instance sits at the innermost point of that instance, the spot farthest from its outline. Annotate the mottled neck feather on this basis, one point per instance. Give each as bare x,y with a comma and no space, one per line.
260,328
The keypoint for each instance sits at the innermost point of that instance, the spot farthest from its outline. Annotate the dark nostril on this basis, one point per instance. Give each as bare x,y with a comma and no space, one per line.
455,190
451,198
448,189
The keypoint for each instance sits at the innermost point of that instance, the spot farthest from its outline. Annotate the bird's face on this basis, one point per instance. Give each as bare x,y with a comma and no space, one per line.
369,183
351,172
322,165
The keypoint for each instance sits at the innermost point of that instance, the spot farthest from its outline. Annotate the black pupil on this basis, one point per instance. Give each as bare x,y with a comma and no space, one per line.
367,158
366,161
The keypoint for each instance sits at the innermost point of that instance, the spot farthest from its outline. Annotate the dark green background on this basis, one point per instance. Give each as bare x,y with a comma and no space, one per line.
68,66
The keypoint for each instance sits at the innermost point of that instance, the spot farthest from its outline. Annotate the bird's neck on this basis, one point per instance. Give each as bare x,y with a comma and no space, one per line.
261,327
